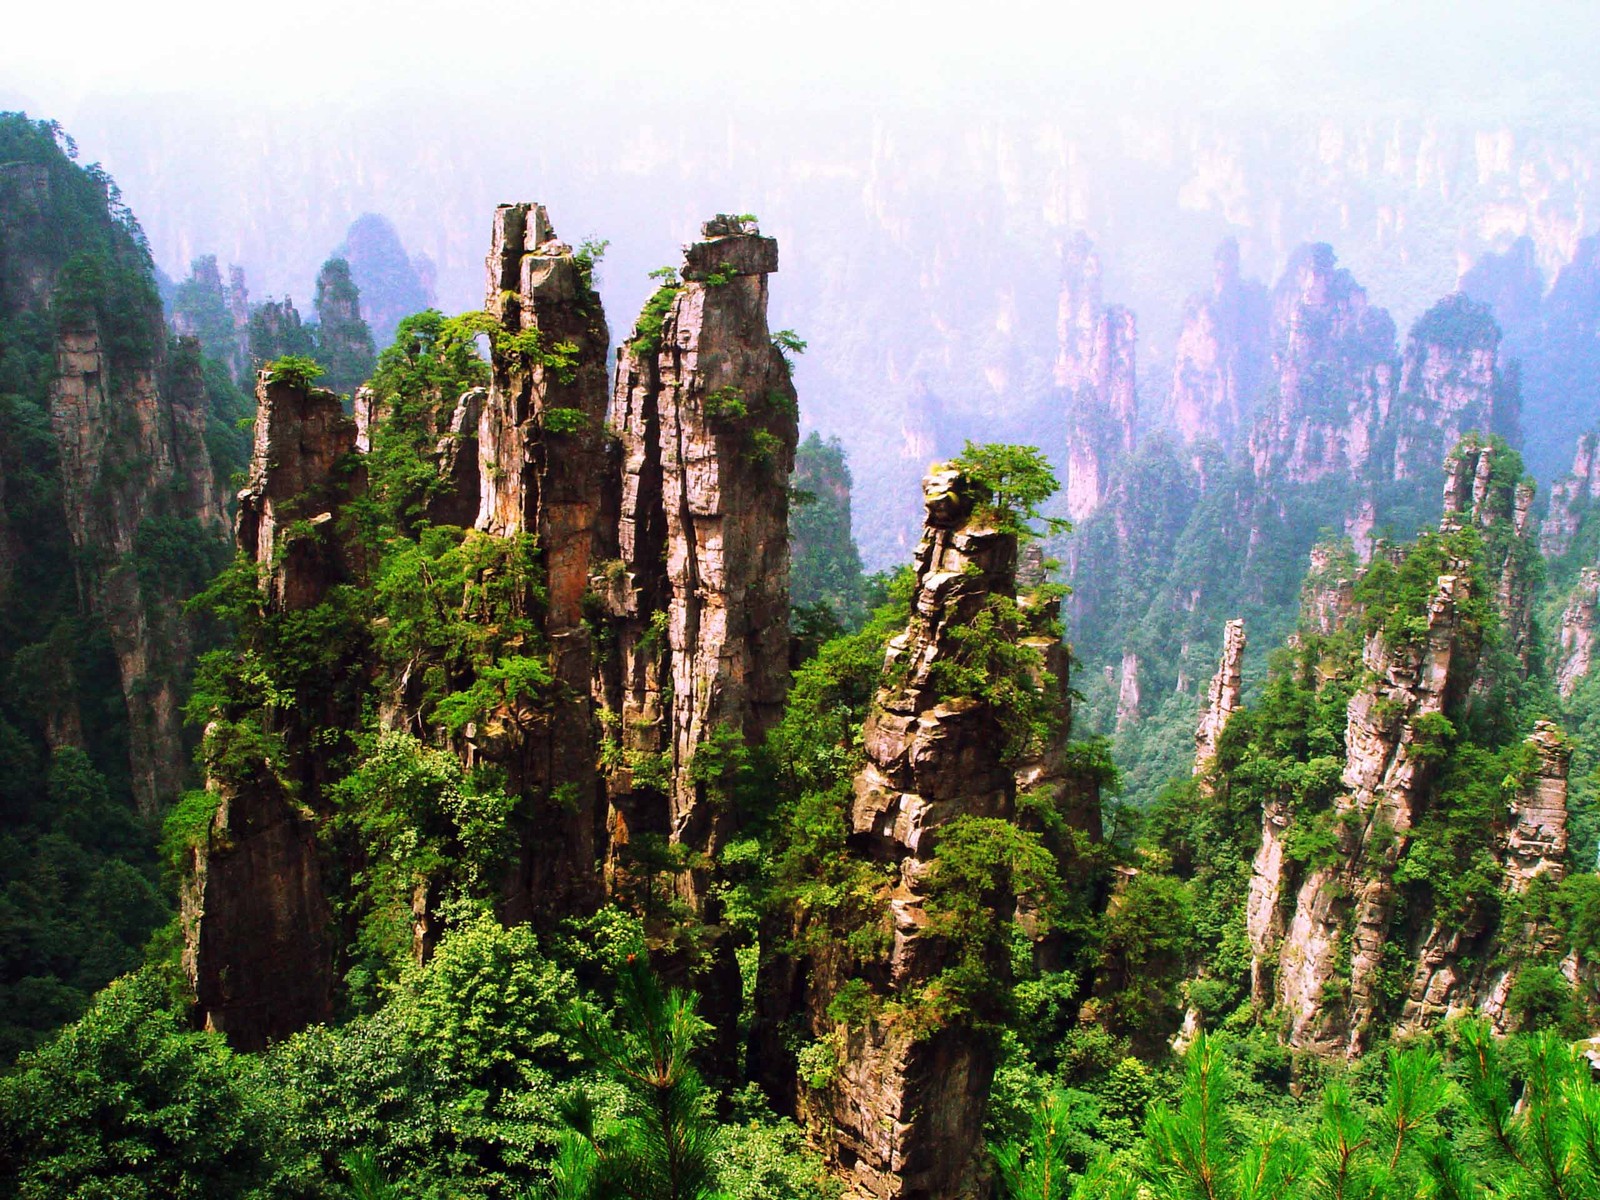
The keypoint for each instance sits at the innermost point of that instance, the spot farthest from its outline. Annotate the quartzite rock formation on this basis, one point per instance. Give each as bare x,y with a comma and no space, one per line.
1335,366
1470,963
706,413
258,940
1095,375
903,1114
543,471
1578,624
1222,355
1223,698
128,416
1570,498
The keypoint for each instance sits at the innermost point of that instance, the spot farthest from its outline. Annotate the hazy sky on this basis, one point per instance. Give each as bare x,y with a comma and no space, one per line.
299,51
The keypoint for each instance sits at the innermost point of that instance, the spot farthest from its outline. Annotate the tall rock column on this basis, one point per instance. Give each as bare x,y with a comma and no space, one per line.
543,471
131,438
1385,780
1095,372
708,419
903,1115
258,937
1221,356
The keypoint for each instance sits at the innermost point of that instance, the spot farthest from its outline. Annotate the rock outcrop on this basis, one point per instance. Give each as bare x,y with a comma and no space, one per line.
258,932
1469,964
706,413
1335,367
300,476
259,945
1578,625
1095,375
1224,697
1451,383
1571,497
1385,780
130,434
1222,355
902,1116
542,471
1473,496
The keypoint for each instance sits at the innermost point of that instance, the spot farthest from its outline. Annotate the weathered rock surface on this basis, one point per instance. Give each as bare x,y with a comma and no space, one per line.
1462,965
1385,780
903,1117
542,470
131,443
1578,623
1224,697
1335,365
1471,496
1095,373
1222,355
1570,498
1451,384
300,474
258,933
706,413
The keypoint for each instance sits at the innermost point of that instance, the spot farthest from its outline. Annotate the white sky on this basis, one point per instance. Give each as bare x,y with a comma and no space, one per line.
307,50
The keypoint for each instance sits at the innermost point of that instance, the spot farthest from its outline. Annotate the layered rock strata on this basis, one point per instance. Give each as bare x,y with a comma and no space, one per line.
706,414
542,471
1224,697
1095,374
903,1115
1385,780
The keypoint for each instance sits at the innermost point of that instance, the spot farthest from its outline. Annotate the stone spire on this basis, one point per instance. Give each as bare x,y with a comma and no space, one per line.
708,421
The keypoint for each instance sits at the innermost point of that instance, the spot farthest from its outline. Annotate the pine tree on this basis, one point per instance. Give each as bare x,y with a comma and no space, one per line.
665,1146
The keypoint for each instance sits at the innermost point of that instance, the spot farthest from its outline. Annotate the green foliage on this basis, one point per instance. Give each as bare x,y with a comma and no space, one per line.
983,865
824,564
726,405
419,817
647,330
994,663
344,343
665,1146
297,370
1012,483
128,1104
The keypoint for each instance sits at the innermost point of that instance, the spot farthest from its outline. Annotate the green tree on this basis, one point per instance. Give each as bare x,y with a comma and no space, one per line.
666,1145
128,1104
1012,483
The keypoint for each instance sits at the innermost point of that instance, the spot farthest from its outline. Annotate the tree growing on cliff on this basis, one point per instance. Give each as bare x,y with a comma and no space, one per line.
1012,483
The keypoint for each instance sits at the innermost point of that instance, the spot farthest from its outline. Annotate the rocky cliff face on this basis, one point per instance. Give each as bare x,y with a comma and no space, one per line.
1469,964
1334,366
1474,496
1571,498
127,416
259,944
903,1114
1385,780
1095,375
1222,355
1319,928
1451,383
1578,625
1224,697
707,417
542,470
286,511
